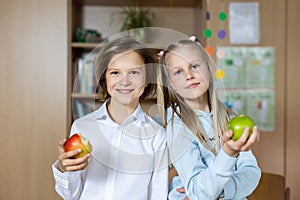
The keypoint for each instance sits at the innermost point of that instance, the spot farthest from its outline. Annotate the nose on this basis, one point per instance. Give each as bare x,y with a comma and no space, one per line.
189,75
125,80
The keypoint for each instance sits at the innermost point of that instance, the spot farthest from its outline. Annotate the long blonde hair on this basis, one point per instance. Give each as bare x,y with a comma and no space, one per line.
166,97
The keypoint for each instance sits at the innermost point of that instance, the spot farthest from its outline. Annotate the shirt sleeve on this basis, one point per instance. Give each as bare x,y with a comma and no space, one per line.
173,194
244,179
204,180
68,185
205,176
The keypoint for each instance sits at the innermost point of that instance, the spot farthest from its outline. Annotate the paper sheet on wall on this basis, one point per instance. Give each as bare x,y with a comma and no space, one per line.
233,65
244,23
260,67
246,67
247,85
234,99
261,108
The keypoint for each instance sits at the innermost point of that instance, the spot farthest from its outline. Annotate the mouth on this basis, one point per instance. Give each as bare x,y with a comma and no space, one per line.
193,85
125,91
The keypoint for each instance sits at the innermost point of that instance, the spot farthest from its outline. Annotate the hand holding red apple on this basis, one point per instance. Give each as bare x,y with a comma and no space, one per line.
70,160
78,141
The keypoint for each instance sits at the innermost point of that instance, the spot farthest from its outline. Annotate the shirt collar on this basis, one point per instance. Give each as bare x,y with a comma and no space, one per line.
198,112
139,113
102,112
201,113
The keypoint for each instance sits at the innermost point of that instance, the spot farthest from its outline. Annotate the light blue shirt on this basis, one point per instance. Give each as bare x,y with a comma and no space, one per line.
204,175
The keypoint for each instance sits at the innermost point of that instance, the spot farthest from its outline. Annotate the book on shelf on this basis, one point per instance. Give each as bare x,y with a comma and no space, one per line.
80,108
84,80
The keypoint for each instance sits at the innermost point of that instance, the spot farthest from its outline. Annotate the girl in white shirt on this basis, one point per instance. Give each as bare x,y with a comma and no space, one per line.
129,157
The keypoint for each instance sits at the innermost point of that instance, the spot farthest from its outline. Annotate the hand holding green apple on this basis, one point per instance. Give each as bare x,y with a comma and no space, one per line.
77,141
238,124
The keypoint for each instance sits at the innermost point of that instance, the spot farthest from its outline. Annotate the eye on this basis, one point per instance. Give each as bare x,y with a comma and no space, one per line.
178,72
114,73
195,66
135,73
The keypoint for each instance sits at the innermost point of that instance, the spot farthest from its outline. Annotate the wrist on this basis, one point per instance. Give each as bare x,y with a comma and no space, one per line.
230,151
61,168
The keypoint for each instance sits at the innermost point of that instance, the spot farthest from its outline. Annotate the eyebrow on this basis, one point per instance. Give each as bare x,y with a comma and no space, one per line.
190,63
133,68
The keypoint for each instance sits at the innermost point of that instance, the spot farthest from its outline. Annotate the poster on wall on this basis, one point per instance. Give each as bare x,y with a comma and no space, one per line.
260,107
247,84
233,64
234,99
260,67
244,23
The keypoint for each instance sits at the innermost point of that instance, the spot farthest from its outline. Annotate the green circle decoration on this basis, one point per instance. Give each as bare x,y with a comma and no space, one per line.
207,33
222,16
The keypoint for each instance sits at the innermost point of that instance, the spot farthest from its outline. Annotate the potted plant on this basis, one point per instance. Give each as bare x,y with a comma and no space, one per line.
135,17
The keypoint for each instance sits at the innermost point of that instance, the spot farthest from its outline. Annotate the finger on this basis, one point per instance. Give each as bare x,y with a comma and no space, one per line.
62,142
227,135
256,133
75,162
71,154
61,145
76,167
253,139
186,198
244,137
180,190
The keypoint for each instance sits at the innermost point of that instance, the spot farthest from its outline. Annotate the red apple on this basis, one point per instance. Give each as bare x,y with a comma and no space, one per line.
77,141
238,124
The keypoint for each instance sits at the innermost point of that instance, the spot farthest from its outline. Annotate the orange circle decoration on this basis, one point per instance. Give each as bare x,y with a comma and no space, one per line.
209,50
219,74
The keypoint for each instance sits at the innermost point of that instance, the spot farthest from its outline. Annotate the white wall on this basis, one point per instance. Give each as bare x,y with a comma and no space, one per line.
178,19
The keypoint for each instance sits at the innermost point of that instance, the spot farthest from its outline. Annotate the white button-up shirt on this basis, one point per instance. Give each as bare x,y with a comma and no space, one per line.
128,161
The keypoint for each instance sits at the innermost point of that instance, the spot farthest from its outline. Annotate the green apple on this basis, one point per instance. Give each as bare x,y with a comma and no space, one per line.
77,141
238,124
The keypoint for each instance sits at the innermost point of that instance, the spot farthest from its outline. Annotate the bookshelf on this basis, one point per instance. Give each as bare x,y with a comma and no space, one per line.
82,45
77,99
77,50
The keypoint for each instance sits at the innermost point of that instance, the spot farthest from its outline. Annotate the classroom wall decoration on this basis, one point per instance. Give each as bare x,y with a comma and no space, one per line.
247,75
221,33
244,23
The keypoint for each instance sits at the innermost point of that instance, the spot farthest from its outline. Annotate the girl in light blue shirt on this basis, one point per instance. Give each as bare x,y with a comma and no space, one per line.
209,163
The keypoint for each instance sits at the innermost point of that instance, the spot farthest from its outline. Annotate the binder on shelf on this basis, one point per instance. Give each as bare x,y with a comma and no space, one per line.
80,109
90,78
85,77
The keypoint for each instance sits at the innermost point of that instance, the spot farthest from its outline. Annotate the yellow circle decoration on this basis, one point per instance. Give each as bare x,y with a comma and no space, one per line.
219,74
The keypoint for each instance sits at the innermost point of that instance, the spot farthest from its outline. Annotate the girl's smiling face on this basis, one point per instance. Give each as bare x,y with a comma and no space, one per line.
126,78
188,74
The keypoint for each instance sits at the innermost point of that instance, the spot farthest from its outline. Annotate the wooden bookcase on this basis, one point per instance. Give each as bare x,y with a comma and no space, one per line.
77,49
